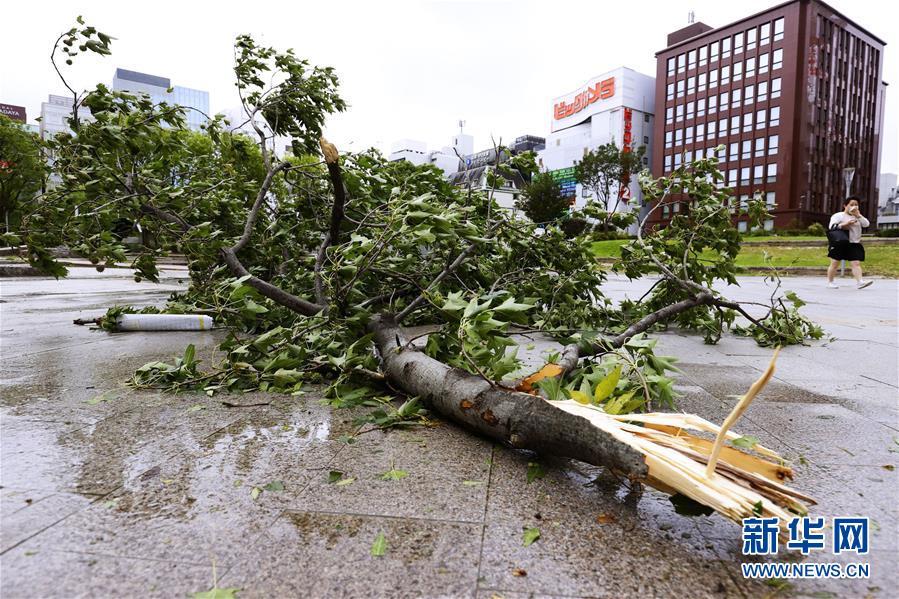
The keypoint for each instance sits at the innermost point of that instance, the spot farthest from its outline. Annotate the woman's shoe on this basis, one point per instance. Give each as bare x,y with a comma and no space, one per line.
863,284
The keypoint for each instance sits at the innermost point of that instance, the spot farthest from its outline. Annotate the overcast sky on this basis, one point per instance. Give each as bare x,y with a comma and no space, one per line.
407,69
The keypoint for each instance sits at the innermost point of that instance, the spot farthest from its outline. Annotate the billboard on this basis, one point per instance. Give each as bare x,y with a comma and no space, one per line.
16,113
575,108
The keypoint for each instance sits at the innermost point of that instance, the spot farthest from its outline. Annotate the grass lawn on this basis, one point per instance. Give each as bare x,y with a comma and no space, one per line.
880,260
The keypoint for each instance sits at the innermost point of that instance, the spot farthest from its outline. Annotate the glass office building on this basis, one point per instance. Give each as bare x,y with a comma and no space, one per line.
195,100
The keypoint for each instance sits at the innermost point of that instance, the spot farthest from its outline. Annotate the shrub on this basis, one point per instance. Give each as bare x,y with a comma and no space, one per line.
572,227
887,233
816,229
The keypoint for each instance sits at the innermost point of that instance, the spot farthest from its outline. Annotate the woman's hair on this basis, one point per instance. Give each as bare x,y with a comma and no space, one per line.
857,200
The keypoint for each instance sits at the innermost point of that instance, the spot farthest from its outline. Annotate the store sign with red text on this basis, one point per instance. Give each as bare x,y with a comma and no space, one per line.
571,110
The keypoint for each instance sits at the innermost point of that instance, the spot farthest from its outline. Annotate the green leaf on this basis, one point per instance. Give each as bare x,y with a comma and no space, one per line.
334,476
530,536
579,396
345,481
379,547
607,385
196,408
745,442
394,474
757,508
275,485
217,593
535,471
255,492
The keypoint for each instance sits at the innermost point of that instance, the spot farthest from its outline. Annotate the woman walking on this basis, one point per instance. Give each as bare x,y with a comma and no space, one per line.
850,220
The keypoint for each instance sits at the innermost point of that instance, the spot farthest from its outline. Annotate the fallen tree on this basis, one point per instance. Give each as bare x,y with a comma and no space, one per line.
316,260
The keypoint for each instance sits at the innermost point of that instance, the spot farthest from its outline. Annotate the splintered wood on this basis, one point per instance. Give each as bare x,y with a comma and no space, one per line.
733,482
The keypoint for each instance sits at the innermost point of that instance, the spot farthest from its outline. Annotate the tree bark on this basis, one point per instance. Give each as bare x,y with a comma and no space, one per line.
518,419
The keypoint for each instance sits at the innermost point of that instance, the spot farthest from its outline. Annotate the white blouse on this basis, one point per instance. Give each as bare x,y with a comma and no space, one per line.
855,230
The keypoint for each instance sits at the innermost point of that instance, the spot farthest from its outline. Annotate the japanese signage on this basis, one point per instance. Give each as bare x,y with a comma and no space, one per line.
600,91
567,183
812,85
628,137
16,113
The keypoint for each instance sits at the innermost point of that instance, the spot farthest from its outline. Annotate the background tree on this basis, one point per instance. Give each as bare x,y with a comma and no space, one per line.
22,170
606,172
542,201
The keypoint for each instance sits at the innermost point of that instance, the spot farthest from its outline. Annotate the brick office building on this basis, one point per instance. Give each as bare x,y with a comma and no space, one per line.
794,94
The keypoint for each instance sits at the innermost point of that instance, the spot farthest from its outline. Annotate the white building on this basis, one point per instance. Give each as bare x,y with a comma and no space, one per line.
615,106
55,114
160,89
446,158
888,202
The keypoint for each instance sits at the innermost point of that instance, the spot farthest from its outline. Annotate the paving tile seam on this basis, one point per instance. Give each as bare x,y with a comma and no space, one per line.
477,580
870,378
66,517
133,557
384,516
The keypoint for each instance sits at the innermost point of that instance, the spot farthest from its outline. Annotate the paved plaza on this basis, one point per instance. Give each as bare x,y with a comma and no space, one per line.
111,492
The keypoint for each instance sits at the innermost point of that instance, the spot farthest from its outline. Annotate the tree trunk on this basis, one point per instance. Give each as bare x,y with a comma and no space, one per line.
518,419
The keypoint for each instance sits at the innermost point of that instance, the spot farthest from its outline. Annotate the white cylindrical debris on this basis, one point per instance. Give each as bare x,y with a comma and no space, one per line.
164,322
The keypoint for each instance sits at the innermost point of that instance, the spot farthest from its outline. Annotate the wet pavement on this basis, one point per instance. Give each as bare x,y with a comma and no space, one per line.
108,491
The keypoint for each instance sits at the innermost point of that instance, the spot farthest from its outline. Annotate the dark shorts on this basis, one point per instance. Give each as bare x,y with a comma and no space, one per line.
846,251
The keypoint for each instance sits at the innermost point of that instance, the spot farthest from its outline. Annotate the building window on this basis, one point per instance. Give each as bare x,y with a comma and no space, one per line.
777,60
713,51
700,132
734,152
751,36
738,43
746,154
770,199
645,118
677,160
691,60
670,92
759,147
747,122
669,139
736,96
765,31
748,95
688,156
775,117
722,127
669,115
681,63
764,61
750,67
757,173
711,129
744,176
645,139
734,124
678,137
760,118
689,136
680,113
691,85
703,56
671,65
775,88
691,110
725,74
769,225
763,91
713,78
667,162
773,141
772,173
680,88
719,152
700,107
724,100
665,210
732,177
741,226
702,82
738,71
779,29
713,104
725,48
675,208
